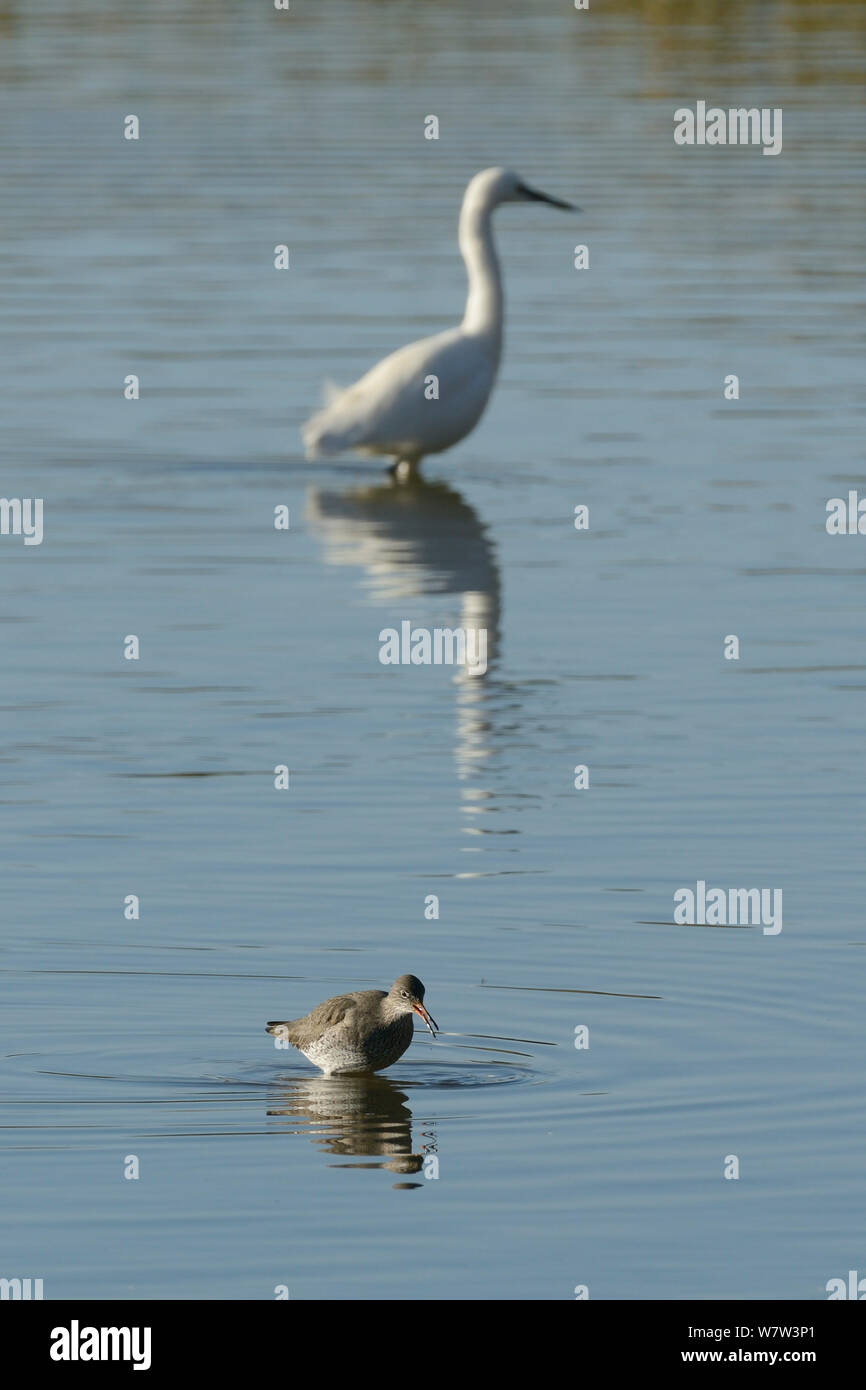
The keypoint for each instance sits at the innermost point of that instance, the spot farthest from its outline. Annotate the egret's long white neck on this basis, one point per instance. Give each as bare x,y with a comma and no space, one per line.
484,301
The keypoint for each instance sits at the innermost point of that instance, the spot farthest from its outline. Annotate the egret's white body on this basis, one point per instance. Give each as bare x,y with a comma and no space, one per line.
394,410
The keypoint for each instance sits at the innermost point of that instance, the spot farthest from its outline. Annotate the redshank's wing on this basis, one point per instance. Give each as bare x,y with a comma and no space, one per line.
301,1032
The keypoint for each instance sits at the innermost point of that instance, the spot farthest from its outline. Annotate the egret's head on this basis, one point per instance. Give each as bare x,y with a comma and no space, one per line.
494,186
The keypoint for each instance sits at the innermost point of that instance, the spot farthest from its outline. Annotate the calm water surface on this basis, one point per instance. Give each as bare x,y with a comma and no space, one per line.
556,1166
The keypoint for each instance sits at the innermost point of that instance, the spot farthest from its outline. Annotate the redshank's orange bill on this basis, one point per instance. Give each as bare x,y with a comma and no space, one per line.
431,1022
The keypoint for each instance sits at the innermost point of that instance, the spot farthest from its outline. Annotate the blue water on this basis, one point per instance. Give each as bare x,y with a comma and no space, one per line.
557,1166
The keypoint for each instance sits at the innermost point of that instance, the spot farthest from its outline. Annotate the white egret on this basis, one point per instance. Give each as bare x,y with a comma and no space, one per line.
395,409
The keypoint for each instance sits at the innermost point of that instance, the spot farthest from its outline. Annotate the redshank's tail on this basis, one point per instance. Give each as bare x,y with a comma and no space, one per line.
280,1028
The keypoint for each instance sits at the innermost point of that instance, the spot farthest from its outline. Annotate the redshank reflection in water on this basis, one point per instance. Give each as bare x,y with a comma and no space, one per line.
359,1121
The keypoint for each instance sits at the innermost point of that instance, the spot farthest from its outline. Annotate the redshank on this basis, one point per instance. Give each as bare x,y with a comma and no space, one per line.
360,1032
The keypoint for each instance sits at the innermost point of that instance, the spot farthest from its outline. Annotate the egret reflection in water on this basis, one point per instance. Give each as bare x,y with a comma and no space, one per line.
414,539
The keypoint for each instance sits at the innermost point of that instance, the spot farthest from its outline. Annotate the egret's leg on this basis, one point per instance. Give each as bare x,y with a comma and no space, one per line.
405,470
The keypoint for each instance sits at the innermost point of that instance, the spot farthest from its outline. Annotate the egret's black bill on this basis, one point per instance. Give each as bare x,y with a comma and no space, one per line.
538,197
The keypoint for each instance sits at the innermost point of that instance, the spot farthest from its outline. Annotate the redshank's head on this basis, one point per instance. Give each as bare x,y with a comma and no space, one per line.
408,993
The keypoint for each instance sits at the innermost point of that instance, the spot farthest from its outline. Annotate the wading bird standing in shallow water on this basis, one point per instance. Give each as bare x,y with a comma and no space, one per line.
396,410
360,1032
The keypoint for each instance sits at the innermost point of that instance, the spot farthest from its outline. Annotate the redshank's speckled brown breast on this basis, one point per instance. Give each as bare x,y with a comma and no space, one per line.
364,1031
